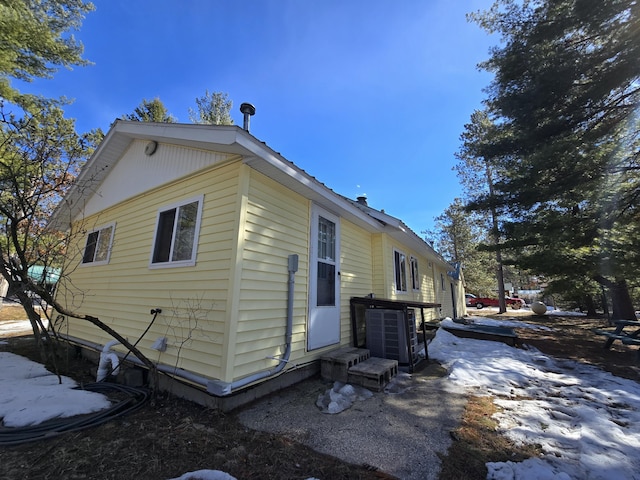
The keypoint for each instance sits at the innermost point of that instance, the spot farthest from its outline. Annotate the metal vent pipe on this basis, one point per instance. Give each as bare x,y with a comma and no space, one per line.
247,110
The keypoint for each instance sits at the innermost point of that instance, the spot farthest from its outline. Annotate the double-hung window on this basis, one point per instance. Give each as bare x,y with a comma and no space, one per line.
415,278
176,237
400,267
97,248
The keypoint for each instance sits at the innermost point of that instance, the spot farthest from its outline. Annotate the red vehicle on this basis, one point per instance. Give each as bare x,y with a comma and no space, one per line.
481,302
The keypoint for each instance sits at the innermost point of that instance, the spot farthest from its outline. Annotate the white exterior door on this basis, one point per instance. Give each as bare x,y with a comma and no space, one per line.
324,280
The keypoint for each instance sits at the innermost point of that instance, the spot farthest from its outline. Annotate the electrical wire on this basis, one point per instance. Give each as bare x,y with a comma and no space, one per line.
53,428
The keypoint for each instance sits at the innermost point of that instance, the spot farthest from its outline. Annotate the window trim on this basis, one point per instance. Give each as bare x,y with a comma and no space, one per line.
196,233
396,275
99,230
415,273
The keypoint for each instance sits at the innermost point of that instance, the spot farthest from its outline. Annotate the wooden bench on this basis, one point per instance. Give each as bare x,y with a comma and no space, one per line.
627,338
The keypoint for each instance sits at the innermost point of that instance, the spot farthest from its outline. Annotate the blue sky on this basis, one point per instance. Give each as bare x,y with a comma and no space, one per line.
370,97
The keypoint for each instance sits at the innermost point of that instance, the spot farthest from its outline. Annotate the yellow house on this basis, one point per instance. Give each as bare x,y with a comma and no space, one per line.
225,263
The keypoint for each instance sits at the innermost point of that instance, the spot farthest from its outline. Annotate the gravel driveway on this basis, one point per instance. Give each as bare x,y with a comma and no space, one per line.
399,431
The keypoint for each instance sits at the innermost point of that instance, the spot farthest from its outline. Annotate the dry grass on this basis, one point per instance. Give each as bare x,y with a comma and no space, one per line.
170,436
12,312
477,442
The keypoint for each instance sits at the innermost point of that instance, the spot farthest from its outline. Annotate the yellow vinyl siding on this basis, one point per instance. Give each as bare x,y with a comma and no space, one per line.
276,225
193,299
356,272
429,276
380,284
443,295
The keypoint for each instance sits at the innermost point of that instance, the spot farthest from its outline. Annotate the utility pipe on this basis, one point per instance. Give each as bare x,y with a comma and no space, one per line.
225,388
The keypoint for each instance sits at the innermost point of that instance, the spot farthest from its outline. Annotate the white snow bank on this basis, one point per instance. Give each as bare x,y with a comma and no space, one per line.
30,394
587,420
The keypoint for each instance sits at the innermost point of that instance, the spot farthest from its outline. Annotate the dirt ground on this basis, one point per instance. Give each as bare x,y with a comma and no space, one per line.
169,436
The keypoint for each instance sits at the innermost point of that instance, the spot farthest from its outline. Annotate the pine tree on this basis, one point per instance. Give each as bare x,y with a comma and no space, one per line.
36,40
213,108
151,111
564,96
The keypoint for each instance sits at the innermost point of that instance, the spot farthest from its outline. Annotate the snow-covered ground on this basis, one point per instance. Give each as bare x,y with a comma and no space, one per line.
587,420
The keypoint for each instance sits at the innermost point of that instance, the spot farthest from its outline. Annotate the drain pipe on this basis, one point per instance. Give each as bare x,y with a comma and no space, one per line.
220,388
109,362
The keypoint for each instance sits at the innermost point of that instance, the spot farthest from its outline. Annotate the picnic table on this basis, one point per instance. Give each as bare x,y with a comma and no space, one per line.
629,337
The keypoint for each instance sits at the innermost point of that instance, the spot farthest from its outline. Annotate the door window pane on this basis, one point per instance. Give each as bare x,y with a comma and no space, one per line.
326,239
326,293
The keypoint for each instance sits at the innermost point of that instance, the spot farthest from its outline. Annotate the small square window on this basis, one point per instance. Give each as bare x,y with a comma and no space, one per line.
97,249
176,235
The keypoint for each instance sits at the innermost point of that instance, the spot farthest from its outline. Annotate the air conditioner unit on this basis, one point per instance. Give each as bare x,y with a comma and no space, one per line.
387,335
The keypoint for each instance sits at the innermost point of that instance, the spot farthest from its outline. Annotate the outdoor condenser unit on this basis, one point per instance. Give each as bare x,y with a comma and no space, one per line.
387,335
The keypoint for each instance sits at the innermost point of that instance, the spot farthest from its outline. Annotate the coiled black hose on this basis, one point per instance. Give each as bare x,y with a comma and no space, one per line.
53,428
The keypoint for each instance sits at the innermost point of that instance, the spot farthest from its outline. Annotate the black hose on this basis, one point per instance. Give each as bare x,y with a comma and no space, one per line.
155,313
56,427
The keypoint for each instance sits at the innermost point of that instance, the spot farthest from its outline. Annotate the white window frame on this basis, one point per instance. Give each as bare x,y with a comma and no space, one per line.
102,237
415,275
443,284
196,232
400,270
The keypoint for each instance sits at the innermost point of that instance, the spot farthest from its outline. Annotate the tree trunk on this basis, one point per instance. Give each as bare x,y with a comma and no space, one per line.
502,302
495,233
621,302
591,306
46,345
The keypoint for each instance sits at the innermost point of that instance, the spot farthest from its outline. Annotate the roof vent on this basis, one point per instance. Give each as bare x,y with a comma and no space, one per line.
247,110
362,200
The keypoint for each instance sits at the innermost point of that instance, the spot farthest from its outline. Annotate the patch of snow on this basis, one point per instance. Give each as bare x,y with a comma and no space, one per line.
564,313
205,475
340,397
30,394
511,322
586,420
